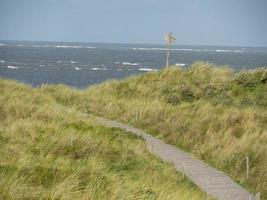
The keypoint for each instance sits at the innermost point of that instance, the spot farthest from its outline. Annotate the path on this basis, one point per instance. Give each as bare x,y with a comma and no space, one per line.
214,182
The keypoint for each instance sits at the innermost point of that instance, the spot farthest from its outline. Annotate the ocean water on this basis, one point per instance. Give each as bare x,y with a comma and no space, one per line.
83,64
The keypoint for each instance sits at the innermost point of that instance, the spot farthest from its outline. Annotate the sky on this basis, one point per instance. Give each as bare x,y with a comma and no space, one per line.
193,22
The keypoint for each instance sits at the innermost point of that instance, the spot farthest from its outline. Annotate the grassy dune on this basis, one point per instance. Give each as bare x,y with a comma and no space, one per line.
218,115
49,150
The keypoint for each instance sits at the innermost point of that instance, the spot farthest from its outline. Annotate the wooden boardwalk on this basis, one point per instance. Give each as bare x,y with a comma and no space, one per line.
212,181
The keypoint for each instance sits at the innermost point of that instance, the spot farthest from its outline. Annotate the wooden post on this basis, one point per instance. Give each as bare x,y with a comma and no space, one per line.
183,173
258,196
247,161
170,40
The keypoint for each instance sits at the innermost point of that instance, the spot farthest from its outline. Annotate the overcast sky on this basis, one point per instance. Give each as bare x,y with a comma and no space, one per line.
194,22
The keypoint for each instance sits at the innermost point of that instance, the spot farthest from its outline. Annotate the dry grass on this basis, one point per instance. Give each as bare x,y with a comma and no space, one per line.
51,151
218,115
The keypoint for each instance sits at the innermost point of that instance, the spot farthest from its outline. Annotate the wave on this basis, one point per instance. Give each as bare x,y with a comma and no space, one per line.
66,46
222,50
151,49
196,50
56,46
230,51
148,69
180,64
77,68
73,62
11,67
72,46
165,49
240,51
2,61
99,69
1,44
130,64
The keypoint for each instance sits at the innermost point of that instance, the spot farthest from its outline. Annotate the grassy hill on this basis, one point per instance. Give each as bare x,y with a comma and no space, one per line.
51,151
218,115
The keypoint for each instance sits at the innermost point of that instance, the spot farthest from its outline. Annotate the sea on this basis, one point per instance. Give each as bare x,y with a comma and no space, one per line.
83,64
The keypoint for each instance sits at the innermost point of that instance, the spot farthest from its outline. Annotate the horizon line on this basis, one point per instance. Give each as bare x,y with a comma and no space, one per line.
131,43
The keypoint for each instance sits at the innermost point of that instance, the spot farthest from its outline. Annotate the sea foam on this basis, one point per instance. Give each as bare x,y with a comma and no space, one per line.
73,46
11,67
148,69
180,64
66,46
99,69
130,64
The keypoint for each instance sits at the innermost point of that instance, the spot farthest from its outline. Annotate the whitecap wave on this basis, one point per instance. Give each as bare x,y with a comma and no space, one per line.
73,46
165,49
223,50
180,64
130,64
239,51
66,46
77,68
1,44
11,67
189,49
148,69
73,62
2,61
99,69
150,49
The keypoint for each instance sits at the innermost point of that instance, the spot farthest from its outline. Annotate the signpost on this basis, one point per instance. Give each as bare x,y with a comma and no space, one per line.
170,40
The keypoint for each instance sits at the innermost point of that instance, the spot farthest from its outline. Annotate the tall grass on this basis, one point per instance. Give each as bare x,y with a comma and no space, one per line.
218,115
50,150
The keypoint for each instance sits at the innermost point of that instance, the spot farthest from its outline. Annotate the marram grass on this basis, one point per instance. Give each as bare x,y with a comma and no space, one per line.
218,115
50,150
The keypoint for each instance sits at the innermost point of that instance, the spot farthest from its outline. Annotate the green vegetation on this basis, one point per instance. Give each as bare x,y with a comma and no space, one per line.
218,115
50,150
